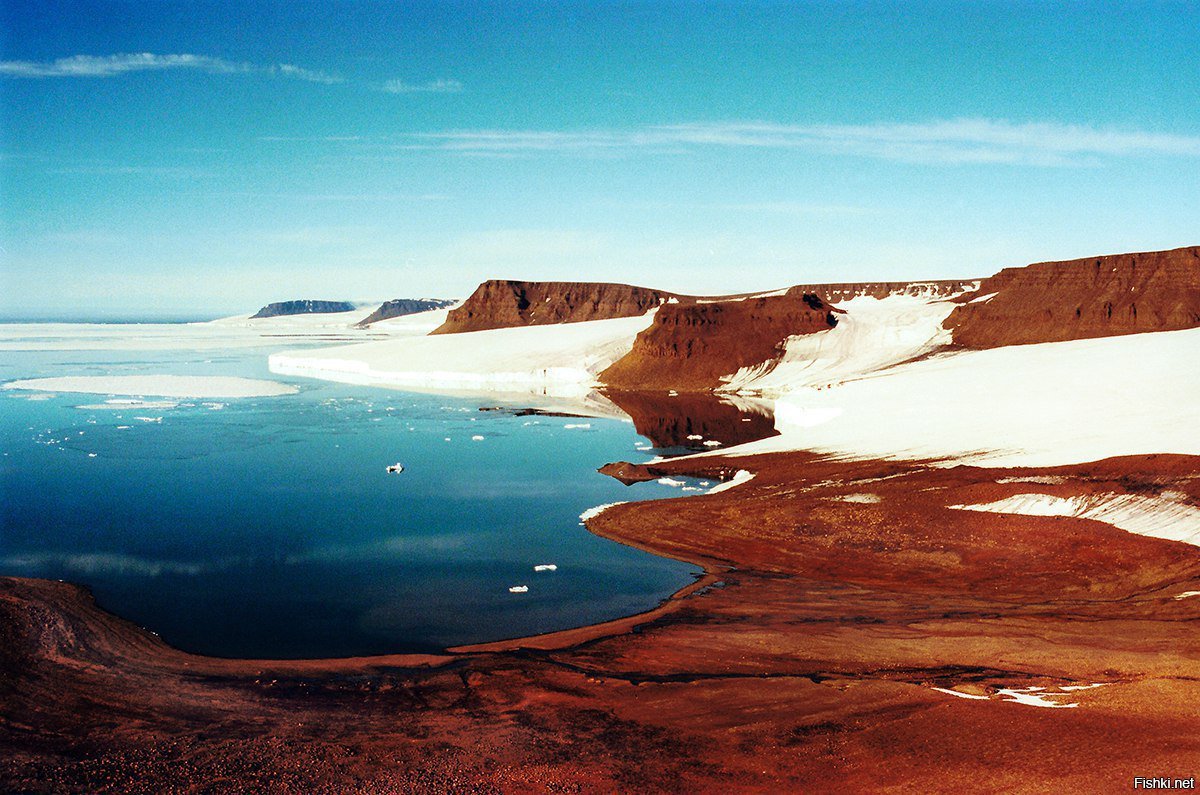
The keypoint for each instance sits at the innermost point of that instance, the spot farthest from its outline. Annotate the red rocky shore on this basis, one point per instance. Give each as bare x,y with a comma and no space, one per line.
838,596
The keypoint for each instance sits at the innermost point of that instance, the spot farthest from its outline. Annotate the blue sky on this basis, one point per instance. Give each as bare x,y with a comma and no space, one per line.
161,157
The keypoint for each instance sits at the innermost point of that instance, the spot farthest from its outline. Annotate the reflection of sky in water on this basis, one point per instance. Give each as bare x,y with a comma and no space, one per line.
269,526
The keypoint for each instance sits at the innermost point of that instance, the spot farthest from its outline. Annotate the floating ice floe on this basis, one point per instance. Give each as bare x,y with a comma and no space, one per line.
581,425
476,438
546,567
139,405
395,468
519,589
194,386
148,419
712,443
671,482
695,437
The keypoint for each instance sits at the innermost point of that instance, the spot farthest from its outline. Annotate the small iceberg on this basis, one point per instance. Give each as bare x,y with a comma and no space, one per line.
396,468
546,567
519,589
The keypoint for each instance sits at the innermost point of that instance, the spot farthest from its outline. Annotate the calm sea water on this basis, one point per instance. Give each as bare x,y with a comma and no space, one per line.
269,527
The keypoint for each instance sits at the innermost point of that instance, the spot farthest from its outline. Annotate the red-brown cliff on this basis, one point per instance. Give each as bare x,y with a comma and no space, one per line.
690,346
838,292
1083,298
499,303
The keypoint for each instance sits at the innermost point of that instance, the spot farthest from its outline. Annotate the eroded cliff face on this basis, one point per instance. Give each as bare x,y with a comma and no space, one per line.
836,293
1083,298
690,346
499,303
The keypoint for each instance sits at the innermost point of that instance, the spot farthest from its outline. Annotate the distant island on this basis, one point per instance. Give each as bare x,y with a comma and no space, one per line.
399,307
303,307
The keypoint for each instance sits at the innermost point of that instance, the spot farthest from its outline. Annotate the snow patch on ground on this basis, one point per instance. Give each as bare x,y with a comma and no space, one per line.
558,360
739,477
868,499
1165,516
592,513
874,334
190,386
1029,696
1042,696
1024,405
950,692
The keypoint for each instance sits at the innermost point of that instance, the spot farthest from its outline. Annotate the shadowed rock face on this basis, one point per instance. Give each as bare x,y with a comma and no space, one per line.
835,293
690,347
303,307
1083,298
503,304
399,307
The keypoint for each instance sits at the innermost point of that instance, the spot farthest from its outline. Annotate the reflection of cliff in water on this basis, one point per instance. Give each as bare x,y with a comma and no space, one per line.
669,420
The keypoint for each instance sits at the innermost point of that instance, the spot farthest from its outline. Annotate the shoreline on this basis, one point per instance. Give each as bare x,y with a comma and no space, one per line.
859,607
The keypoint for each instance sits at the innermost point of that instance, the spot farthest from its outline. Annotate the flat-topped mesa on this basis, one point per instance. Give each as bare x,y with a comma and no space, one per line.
399,307
694,347
1080,299
499,303
303,307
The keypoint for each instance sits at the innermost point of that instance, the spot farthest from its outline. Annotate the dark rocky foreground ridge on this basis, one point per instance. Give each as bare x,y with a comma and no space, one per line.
805,661
399,307
305,306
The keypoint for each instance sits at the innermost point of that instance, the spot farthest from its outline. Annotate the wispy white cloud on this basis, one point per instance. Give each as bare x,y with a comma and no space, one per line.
957,141
124,63
439,86
312,76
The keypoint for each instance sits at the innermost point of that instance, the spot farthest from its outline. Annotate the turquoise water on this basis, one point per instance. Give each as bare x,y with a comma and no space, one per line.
269,527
